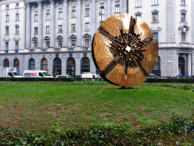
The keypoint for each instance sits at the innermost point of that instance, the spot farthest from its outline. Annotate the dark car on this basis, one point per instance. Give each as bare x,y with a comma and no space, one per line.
155,76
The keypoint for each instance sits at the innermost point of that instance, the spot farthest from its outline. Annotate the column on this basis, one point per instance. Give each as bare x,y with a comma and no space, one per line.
79,24
65,24
39,24
108,5
124,6
189,65
52,24
28,28
93,25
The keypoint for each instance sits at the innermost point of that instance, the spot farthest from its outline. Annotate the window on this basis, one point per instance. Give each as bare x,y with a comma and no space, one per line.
31,65
73,1
72,13
183,2
60,2
36,6
85,64
35,30
7,6
7,18
7,30
87,12
183,37
16,45
137,3
154,2
47,4
60,29
47,44
47,16
155,36
72,42
17,17
183,17
72,27
87,26
87,42
154,17
47,29
138,15
60,15
36,17
6,45
117,8
35,44
17,5
60,44
17,29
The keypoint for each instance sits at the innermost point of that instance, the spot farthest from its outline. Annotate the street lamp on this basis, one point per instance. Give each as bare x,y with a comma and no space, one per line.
101,8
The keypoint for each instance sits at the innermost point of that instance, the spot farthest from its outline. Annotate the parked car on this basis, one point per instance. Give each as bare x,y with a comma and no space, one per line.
64,76
155,76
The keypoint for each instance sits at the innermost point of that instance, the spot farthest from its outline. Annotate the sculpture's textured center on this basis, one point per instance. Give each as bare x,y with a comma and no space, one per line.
128,48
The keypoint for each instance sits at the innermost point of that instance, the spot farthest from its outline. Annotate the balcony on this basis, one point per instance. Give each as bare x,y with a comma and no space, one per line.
31,50
57,49
86,48
44,50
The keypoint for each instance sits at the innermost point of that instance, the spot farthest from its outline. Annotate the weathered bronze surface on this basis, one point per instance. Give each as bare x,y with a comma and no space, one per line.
124,51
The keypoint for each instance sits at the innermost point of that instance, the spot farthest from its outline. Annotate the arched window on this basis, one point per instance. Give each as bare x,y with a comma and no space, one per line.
85,64
71,66
31,64
16,64
6,63
44,64
57,66
182,66
157,69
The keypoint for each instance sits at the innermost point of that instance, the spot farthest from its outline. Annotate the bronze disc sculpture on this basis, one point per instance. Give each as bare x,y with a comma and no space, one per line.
124,51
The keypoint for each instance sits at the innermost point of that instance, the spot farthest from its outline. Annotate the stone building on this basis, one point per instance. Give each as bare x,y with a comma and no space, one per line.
172,23
53,35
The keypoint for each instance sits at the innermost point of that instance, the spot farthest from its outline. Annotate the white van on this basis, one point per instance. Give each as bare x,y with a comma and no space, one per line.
89,75
9,72
36,74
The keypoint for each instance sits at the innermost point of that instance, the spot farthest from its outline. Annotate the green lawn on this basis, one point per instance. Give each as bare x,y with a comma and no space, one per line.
39,105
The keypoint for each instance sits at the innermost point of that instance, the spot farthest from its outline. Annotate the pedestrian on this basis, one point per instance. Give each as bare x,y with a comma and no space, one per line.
180,76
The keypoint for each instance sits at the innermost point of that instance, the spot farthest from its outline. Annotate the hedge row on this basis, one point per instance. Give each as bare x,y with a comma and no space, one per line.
49,79
170,80
179,131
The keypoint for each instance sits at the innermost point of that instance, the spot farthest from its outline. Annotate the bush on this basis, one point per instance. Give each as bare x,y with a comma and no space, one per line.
180,130
170,80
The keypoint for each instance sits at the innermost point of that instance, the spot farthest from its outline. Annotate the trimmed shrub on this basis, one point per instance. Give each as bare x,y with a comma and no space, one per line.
179,131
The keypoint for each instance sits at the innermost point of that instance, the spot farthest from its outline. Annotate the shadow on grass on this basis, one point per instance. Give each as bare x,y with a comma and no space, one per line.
123,88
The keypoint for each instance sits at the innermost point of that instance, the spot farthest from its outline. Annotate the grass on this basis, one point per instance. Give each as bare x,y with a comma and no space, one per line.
38,105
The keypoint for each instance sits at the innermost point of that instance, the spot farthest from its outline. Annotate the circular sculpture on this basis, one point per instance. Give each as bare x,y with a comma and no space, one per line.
124,51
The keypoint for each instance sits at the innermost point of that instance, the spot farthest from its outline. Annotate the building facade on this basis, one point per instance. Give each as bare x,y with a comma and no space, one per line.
172,23
53,35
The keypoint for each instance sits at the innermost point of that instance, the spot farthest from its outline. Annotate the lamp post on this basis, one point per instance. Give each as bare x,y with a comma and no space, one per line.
102,7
